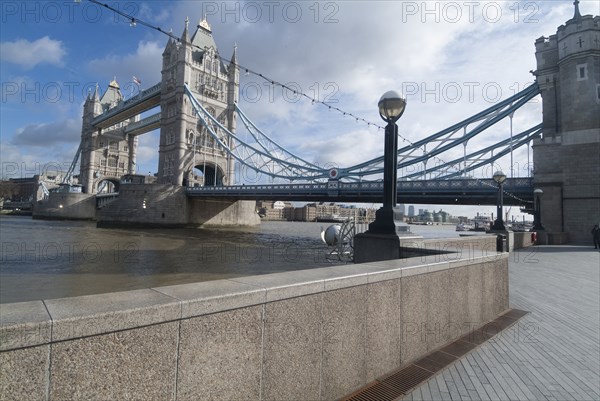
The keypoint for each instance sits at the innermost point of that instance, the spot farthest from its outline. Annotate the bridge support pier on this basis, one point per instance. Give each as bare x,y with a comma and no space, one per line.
166,205
65,206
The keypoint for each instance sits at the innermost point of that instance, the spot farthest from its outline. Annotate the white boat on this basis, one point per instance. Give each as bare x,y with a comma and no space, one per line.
464,227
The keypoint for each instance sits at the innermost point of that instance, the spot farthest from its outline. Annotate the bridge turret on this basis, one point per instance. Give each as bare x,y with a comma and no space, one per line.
233,89
566,164
185,144
106,154
567,75
91,108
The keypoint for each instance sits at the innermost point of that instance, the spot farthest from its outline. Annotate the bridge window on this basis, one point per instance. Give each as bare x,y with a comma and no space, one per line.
126,148
168,166
101,144
121,164
112,161
582,74
103,162
171,110
114,145
170,137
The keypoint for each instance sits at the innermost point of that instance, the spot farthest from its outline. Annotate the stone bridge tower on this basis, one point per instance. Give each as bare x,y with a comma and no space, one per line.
567,157
108,154
188,155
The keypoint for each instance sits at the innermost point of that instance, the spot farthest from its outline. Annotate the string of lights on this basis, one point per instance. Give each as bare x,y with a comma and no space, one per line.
134,21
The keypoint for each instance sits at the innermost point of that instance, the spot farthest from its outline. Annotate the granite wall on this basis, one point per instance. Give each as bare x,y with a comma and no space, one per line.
302,335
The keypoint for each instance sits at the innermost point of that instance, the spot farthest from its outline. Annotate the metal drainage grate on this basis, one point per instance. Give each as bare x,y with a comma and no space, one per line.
407,378
480,336
400,383
377,392
435,361
458,348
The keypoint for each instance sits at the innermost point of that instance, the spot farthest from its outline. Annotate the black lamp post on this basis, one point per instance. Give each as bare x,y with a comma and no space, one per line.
387,219
537,215
498,225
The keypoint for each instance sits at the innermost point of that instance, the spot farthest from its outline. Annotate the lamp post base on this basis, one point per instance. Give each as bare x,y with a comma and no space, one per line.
385,238
389,221
369,247
498,226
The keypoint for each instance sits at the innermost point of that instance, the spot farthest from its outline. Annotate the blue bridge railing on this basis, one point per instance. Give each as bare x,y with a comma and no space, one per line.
518,191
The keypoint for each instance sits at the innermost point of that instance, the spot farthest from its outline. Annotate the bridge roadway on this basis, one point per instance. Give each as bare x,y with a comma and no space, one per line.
443,192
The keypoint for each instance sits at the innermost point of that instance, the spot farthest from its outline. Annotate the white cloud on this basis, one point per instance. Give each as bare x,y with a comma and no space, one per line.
144,63
48,134
29,54
146,12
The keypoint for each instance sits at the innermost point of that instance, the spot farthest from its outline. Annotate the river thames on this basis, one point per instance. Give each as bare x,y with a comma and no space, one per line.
54,259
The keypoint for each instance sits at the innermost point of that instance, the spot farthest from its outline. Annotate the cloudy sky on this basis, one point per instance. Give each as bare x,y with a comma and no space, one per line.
452,59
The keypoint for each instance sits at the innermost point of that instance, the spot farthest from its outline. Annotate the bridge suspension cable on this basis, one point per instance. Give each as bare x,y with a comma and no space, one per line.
268,144
448,138
282,164
266,156
476,159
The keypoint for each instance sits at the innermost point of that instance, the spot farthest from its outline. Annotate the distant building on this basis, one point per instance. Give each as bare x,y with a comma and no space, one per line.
278,210
285,211
29,189
411,211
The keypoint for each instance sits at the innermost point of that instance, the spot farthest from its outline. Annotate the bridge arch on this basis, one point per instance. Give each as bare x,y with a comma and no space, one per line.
206,174
108,185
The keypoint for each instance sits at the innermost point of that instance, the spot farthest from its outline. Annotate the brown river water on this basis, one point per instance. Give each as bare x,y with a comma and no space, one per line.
53,259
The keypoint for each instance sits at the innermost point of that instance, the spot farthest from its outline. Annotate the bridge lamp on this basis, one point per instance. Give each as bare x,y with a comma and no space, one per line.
388,220
537,214
383,238
391,107
499,177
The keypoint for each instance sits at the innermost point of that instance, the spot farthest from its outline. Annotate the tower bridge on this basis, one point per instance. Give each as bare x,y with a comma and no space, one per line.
200,149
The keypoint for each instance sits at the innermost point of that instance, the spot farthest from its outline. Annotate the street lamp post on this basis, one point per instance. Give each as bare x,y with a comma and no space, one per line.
388,233
387,218
537,215
498,225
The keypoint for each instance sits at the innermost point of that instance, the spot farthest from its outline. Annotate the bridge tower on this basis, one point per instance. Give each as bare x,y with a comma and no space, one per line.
567,157
188,155
108,154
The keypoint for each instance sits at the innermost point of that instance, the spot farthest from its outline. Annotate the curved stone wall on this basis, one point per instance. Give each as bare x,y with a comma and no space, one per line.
310,334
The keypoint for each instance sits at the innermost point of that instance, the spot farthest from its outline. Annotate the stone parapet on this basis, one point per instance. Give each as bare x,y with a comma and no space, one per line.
309,334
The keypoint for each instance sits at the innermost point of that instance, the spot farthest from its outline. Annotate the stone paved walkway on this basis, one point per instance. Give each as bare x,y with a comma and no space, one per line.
553,353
